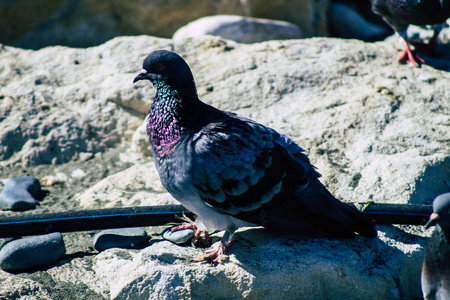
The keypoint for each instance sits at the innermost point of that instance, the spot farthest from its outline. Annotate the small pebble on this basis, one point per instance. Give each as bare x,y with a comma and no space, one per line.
132,237
178,237
19,193
32,252
78,173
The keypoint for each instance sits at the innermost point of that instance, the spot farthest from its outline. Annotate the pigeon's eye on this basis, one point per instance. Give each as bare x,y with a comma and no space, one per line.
159,66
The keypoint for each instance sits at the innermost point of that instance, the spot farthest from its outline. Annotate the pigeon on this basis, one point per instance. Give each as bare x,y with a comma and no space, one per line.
233,172
436,265
399,14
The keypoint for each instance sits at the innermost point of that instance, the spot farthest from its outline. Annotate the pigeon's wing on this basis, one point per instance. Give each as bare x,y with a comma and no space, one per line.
249,171
240,165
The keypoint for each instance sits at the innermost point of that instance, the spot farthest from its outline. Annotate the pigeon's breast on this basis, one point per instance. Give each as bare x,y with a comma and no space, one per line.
164,139
175,171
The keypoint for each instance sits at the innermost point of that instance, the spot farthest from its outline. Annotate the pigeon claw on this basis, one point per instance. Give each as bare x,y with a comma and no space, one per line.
184,226
408,54
216,256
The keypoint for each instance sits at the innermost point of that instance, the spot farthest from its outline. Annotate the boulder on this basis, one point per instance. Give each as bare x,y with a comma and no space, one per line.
239,29
59,103
376,130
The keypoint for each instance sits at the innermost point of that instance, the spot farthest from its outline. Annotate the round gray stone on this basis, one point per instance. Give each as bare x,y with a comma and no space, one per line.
19,193
178,237
32,252
132,237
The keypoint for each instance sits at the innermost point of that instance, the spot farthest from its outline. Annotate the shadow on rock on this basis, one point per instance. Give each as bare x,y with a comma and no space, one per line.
440,61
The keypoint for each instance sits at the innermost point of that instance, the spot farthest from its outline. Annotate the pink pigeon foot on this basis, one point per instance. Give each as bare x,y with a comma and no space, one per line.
216,256
408,54
429,48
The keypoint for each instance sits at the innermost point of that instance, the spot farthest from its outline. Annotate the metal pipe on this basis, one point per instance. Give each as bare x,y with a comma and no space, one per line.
410,214
85,220
96,219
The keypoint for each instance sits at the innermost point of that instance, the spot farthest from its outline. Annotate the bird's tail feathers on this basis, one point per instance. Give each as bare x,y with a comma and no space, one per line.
323,203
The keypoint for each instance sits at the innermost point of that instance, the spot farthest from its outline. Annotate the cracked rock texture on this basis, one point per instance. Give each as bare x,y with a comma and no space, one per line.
376,130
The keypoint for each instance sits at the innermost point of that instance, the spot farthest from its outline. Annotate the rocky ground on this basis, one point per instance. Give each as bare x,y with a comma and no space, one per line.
376,130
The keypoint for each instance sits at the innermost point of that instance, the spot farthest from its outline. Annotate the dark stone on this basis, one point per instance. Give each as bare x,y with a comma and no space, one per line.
19,193
128,238
32,252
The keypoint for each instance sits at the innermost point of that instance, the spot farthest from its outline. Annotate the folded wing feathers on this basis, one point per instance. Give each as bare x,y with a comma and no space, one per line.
236,181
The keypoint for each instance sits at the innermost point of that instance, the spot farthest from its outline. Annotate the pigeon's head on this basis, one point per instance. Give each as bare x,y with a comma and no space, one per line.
441,211
166,68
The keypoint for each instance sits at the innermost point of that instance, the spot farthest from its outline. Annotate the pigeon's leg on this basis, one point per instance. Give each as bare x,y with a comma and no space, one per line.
193,226
432,44
219,254
408,54
429,48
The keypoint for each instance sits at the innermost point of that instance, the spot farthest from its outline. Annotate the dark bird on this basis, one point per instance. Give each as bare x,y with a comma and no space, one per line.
436,264
399,14
231,171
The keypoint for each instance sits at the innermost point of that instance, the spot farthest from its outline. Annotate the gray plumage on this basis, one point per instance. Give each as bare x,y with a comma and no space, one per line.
436,265
231,171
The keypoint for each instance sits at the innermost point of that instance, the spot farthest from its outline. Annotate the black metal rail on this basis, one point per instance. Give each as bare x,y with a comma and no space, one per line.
86,220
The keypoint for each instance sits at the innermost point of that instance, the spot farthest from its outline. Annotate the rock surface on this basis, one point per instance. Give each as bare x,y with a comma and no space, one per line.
376,130
240,29
4,241
40,23
101,108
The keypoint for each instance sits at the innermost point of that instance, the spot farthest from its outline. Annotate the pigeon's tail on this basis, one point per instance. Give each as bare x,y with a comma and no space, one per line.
314,212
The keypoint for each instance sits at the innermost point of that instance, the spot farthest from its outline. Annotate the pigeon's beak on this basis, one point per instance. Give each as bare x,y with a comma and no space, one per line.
142,75
434,217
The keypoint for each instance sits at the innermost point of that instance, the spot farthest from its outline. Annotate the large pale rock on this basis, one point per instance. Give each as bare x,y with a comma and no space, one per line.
136,186
58,103
376,130
240,29
40,23
261,266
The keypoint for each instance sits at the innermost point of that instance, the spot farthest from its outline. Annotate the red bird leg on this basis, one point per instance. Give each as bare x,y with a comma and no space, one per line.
409,55
219,254
434,41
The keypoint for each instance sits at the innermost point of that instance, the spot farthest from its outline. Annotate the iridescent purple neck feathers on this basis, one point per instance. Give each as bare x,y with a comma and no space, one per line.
164,124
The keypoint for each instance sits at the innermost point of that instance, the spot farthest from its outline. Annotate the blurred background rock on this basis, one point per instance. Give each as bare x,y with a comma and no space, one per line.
80,23
34,24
